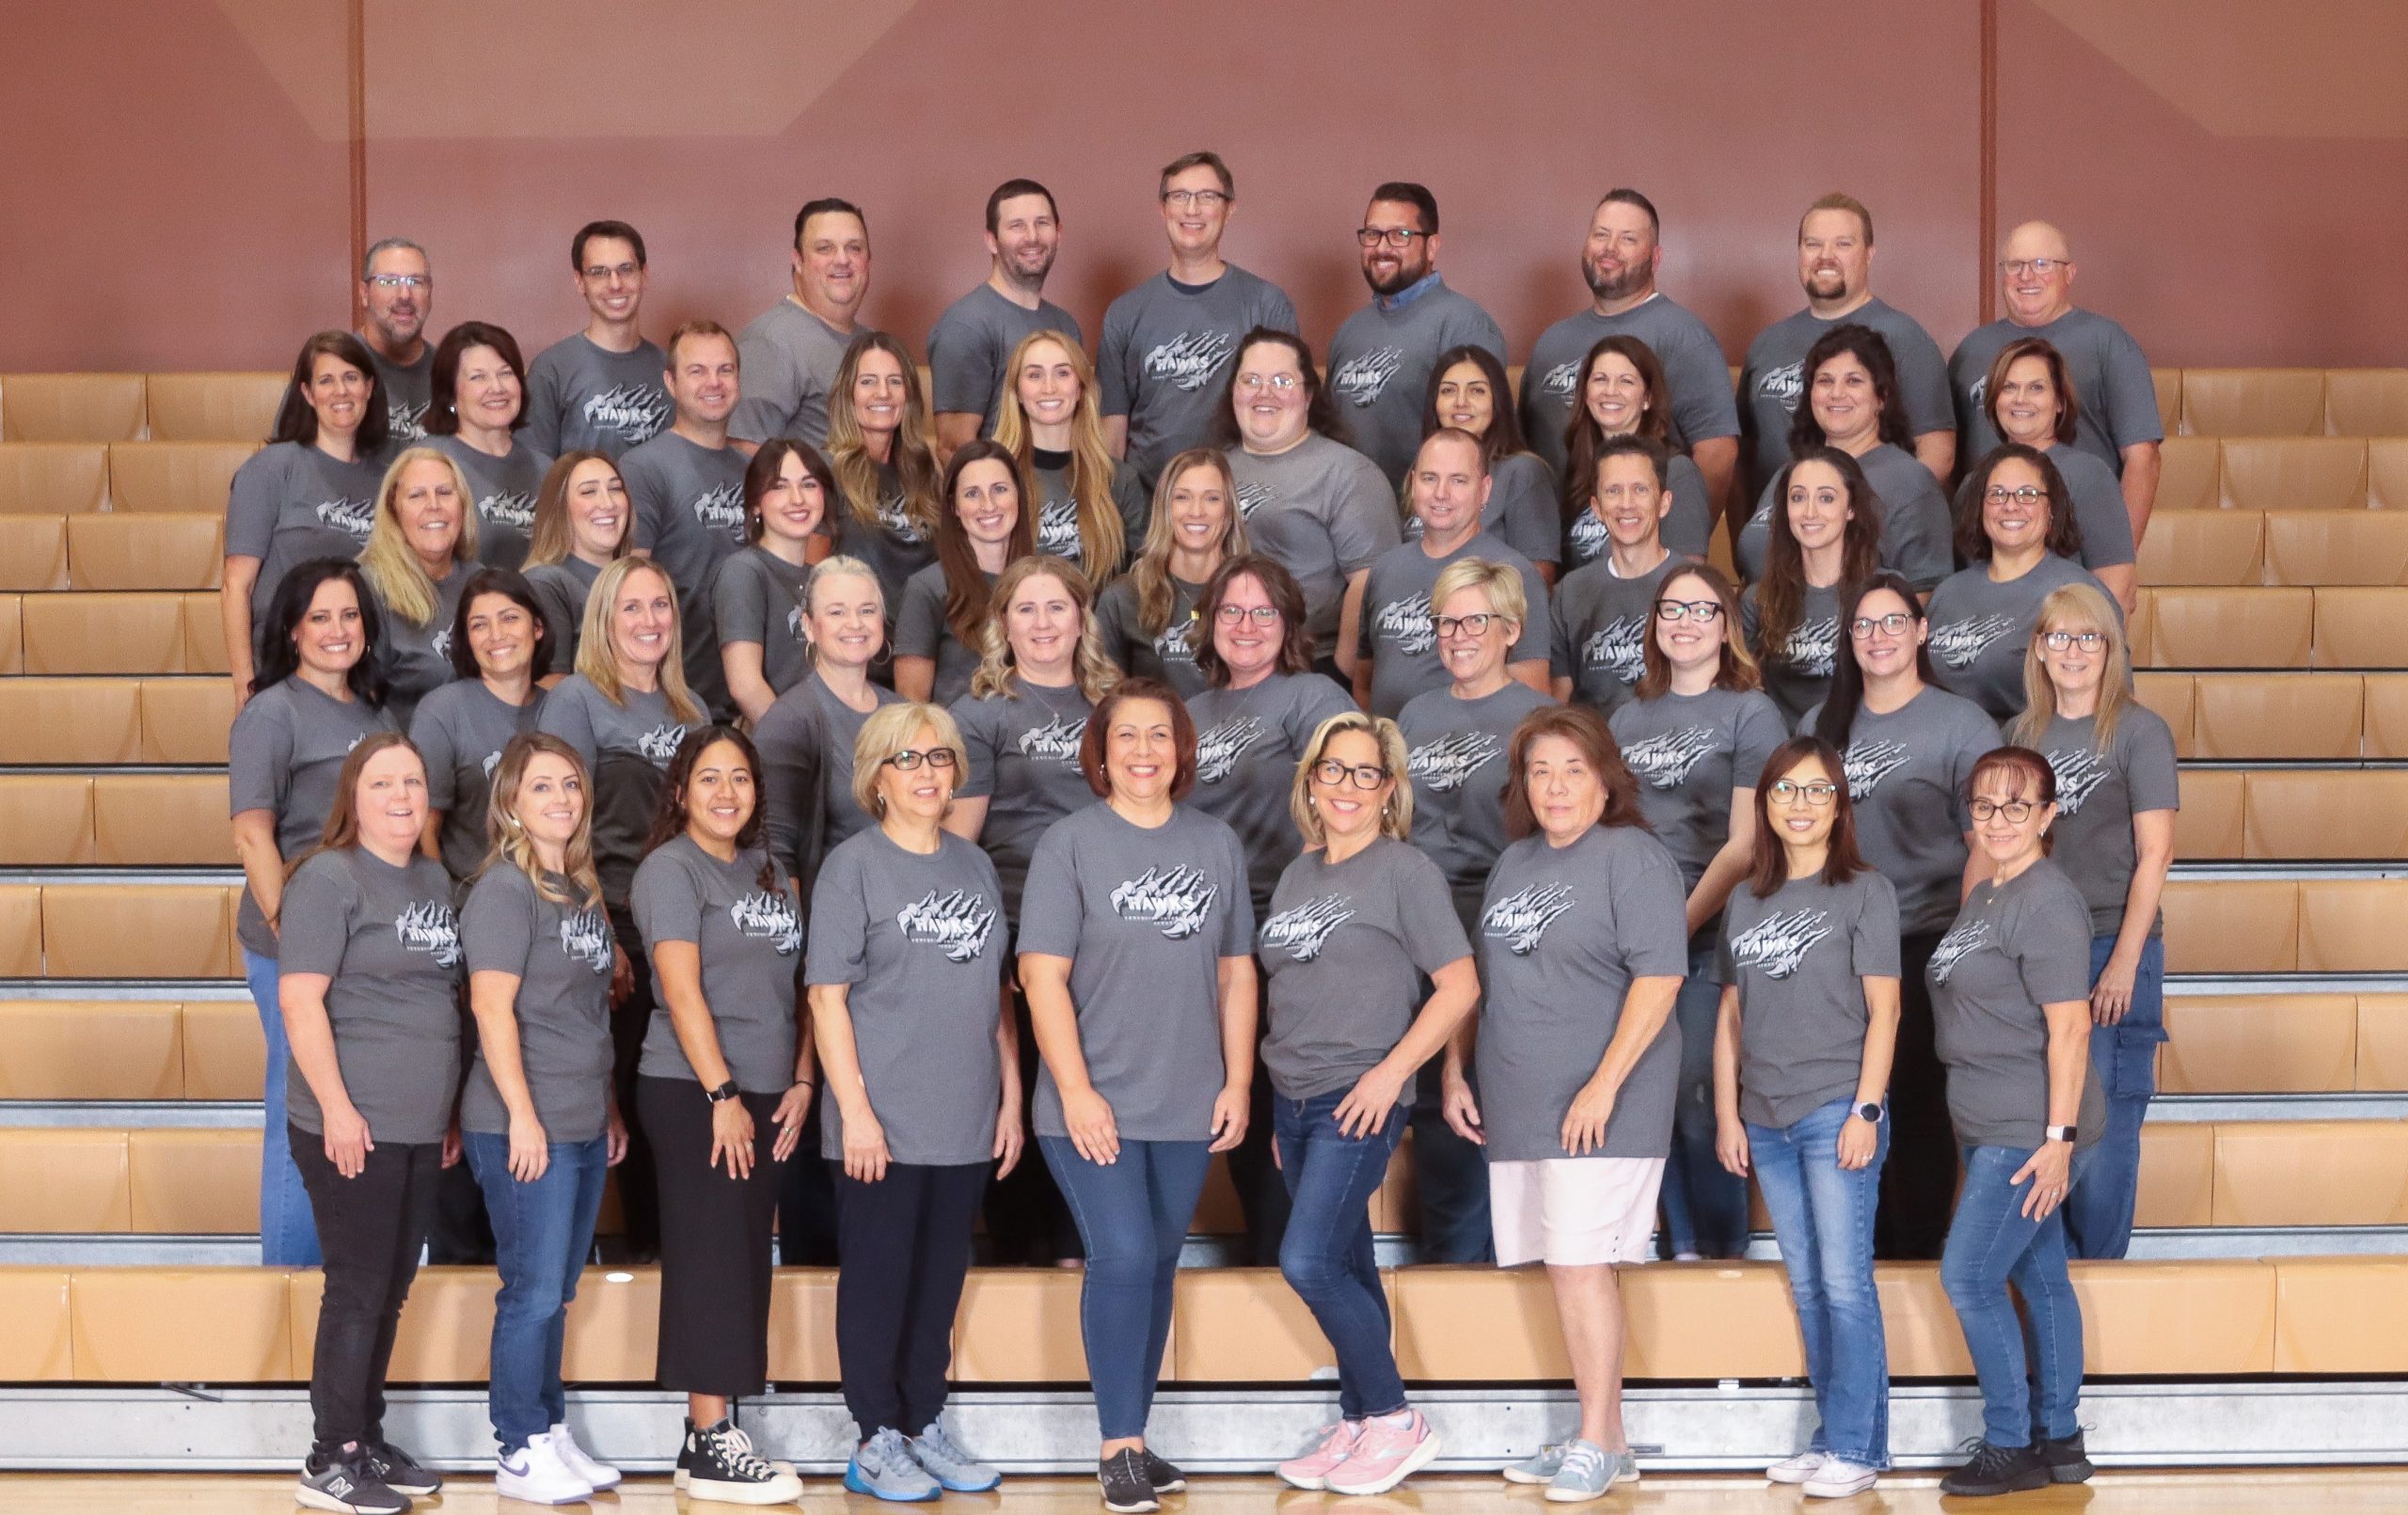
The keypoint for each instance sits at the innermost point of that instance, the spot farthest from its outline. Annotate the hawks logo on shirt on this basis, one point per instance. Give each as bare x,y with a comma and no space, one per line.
1964,937
1188,361
440,643
661,744
1587,538
585,937
1448,763
1521,918
956,922
356,518
794,621
1959,642
894,519
1175,645
1058,527
1664,761
510,509
1217,750
1778,942
2079,771
1056,741
1407,624
1974,396
721,510
493,761
767,917
405,422
1869,763
1176,899
1302,931
1362,380
1814,647
1558,382
429,926
1619,648
635,411
1252,497
1784,386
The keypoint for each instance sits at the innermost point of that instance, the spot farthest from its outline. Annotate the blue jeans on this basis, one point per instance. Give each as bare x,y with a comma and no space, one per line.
1327,1253
1705,1204
1822,1215
1990,1244
2123,1058
1132,1217
288,1228
542,1232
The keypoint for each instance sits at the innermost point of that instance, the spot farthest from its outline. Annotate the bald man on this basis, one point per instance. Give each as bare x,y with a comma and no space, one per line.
2118,421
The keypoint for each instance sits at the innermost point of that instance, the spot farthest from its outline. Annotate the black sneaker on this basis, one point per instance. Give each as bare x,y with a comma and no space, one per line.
2067,1460
684,1459
1166,1478
1997,1469
344,1485
1127,1490
725,1468
400,1472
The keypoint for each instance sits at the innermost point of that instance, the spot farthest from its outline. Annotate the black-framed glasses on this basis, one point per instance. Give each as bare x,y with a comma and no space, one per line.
1201,199
1814,792
2042,266
1704,612
1475,624
1393,236
598,272
2089,641
1237,615
2016,811
939,758
2021,493
1895,624
1362,776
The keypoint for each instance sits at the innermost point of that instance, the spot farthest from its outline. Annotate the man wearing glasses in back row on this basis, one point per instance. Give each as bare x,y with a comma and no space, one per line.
396,296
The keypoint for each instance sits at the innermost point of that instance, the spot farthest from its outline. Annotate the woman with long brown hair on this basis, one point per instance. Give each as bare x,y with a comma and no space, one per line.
756,599
1468,391
1087,506
1623,392
581,523
883,455
1824,535
1147,616
984,529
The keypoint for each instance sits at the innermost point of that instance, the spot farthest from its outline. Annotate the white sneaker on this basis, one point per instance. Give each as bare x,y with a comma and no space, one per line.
536,1475
1838,1478
1796,1469
581,1463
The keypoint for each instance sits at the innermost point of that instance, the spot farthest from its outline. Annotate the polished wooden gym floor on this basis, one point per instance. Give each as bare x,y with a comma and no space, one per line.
2226,1492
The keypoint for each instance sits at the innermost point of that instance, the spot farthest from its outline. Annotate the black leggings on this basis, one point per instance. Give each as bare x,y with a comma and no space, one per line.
1919,1179
639,1189
371,1229
906,1242
715,1268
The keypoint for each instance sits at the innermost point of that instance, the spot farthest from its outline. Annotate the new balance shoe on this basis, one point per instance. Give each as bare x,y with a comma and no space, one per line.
344,1485
1331,1444
955,1469
536,1474
400,1472
883,1468
1127,1490
582,1462
1385,1455
726,1468
1837,1478
1540,1467
1796,1469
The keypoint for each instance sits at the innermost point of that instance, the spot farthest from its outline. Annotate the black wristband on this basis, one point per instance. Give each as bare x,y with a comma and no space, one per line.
724,1093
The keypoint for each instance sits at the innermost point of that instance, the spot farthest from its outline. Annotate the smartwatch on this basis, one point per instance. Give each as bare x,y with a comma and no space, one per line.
2058,1133
724,1093
1869,1112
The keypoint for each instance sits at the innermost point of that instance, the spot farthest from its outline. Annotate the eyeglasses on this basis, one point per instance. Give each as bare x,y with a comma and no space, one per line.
2089,641
1333,773
1281,381
1236,615
400,282
2020,494
1475,624
624,271
2016,811
1895,624
1705,612
1393,236
1202,199
2042,266
1817,792
939,758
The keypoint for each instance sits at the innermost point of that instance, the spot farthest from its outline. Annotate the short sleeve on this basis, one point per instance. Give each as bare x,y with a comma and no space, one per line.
839,923
1977,736
259,758
431,733
562,616
564,715
1873,948
1136,510
1278,312
1757,732
650,500
919,622
772,391
1525,511
2052,946
543,408
1702,405
962,364
791,768
1364,524
1318,698
1559,652
1923,382
251,505
1916,535
1531,646
1237,921
981,724
666,905
1425,908
1651,911
1050,906
314,924
497,923
2132,393
2151,773
1115,383
1475,327
740,603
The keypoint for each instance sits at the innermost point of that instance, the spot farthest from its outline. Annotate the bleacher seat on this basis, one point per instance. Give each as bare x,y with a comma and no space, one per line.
2336,548
2224,627
174,477
93,1050
161,819
182,1325
2210,547
2293,473
2276,716
104,634
2189,474
204,632
2311,1172
2177,1174
36,1344
213,407
2209,823
2253,402
2168,384
2356,627
139,931
13,635
2366,402
185,720
2171,695
194,1182
2352,925
45,820
63,1179
2260,1044
52,478
225,1050
70,407
114,552
2320,814
2382,1043
33,552
2387,473
20,931
2233,926
70,720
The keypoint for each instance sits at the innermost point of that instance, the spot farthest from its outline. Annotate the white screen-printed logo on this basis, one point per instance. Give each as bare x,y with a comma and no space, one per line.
956,922
1361,381
1870,762
1619,647
1559,381
635,411
1664,760
766,917
1448,763
1959,642
1252,497
1521,918
1188,361
1178,900
429,926
1964,937
894,519
1408,624
1587,538
1056,741
1784,386
1302,931
1058,527
721,510
659,744
352,518
585,937
1217,750
1812,648
1778,942
2079,770
508,508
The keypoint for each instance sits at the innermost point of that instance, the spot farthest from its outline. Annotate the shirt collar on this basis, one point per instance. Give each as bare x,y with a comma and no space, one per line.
1406,296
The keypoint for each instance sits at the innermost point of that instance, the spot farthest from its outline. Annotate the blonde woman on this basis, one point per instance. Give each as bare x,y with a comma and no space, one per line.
806,737
421,551
581,517
2116,797
1148,615
1090,507
883,456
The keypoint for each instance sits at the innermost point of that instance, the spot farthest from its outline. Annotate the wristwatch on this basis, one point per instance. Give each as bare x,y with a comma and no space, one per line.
1869,1112
724,1093
2058,1133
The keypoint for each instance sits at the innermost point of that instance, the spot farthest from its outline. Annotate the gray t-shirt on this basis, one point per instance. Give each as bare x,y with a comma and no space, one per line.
1799,959
1248,745
1166,353
1600,633
1380,362
2098,507
806,741
1145,915
973,341
416,655
895,549
1056,524
2108,372
460,730
757,597
1323,511
689,502
1025,760
1456,756
561,590
284,756
1773,383
2097,794
750,939
790,357
389,945
289,503
1917,536
1400,630
2016,947
1685,345
1168,655
504,491
583,398
1563,932
1687,529
921,630
1981,630
627,748
1906,773
560,956
1345,948
1689,751
409,389
920,941
1797,675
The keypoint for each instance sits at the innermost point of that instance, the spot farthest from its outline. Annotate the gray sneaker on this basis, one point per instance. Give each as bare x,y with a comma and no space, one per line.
1538,1468
1587,1471
344,1485
885,1469
949,1466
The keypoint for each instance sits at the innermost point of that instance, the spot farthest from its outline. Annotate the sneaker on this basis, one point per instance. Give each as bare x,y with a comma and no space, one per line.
1997,1469
1796,1469
1540,1467
1166,1478
581,1463
400,1472
1385,1455
344,1485
1330,1447
1838,1478
2069,1462
683,1476
883,1468
1587,1471
725,1468
1127,1490
953,1469
538,1475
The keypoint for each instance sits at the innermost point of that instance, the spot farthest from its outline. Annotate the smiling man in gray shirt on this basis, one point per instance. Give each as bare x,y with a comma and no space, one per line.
397,297
973,341
600,390
792,349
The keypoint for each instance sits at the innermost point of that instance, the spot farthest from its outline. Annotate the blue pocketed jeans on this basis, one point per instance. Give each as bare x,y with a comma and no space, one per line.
1705,1204
1326,1254
542,1232
1822,1215
2123,1058
288,1228
1132,1217
1990,1244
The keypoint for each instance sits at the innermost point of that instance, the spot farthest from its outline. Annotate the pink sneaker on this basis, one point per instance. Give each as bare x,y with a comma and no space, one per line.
1385,1455
1313,1469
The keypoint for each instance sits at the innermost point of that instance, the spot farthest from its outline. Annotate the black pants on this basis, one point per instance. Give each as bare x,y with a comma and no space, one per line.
1919,1179
1262,1193
807,1200
371,1229
639,1189
905,1243
1028,1225
461,1234
714,1244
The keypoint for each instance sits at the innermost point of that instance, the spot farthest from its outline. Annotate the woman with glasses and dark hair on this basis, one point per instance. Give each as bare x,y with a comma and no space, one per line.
2030,397
2016,530
581,517
1824,537
500,651
480,392
1623,392
1808,1021
757,599
1147,617
1908,749
984,529
318,694
1468,391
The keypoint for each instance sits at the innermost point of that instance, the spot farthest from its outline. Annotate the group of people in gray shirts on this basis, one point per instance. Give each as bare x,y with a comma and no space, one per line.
1201,748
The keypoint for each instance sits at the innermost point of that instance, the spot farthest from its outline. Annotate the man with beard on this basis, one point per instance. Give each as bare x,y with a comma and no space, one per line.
973,341
791,350
687,487
599,390
1835,266
1380,360
1619,261
397,294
